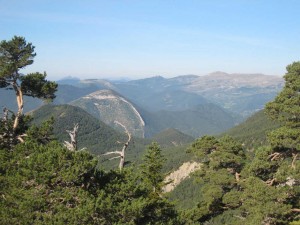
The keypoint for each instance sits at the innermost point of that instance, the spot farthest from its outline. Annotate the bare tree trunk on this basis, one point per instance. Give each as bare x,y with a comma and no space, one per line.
72,146
20,103
121,154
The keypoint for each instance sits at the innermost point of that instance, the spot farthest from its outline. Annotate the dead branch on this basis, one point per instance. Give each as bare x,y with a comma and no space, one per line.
20,137
274,156
270,182
295,210
240,217
114,157
237,176
115,152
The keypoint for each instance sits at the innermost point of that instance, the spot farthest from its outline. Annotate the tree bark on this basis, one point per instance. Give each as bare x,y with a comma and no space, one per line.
20,103
72,145
121,154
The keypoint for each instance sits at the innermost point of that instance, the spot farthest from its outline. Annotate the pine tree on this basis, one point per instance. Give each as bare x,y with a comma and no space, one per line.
16,54
271,186
286,109
222,161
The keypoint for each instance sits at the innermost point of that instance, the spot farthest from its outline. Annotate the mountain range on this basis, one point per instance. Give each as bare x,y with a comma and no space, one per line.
194,105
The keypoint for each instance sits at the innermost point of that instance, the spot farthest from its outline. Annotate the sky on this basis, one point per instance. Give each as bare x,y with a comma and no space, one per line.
116,39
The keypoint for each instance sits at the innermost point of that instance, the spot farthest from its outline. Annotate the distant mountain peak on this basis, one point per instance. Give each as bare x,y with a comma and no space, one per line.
69,78
218,73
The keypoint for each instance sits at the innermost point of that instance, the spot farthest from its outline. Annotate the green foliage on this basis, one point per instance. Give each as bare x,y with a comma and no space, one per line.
286,109
198,121
44,183
35,85
264,203
7,136
260,165
152,167
172,138
265,189
223,159
186,195
14,55
92,134
253,132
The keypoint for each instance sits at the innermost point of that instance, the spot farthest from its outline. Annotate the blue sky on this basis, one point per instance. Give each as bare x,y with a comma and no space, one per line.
142,38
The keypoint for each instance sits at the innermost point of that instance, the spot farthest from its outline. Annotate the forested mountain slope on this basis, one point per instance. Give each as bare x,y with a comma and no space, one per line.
44,182
172,138
197,121
239,93
92,134
99,138
253,132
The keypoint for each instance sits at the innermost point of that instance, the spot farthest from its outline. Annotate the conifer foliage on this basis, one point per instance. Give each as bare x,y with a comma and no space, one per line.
15,55
262,188
42,182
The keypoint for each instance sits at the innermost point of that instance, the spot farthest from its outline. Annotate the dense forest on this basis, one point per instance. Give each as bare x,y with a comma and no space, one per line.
44,182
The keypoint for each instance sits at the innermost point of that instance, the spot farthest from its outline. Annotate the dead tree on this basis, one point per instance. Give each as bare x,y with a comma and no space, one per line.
72,146
121,154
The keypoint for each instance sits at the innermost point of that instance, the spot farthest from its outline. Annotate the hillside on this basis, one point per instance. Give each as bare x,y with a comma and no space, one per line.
92,133
172,138
252,132
99,138
66,93
239,93
198,121
243,94
109,107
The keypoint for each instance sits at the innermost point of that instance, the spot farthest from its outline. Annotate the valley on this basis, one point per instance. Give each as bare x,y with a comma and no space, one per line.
213,149
149,112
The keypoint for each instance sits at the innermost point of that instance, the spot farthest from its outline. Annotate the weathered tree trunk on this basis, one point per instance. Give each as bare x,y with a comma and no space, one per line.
72,146
121,154
20,103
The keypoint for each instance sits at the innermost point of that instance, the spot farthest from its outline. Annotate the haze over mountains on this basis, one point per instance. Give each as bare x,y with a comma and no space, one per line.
194,105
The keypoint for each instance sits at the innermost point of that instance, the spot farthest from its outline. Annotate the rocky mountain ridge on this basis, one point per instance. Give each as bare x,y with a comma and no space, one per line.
110,108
